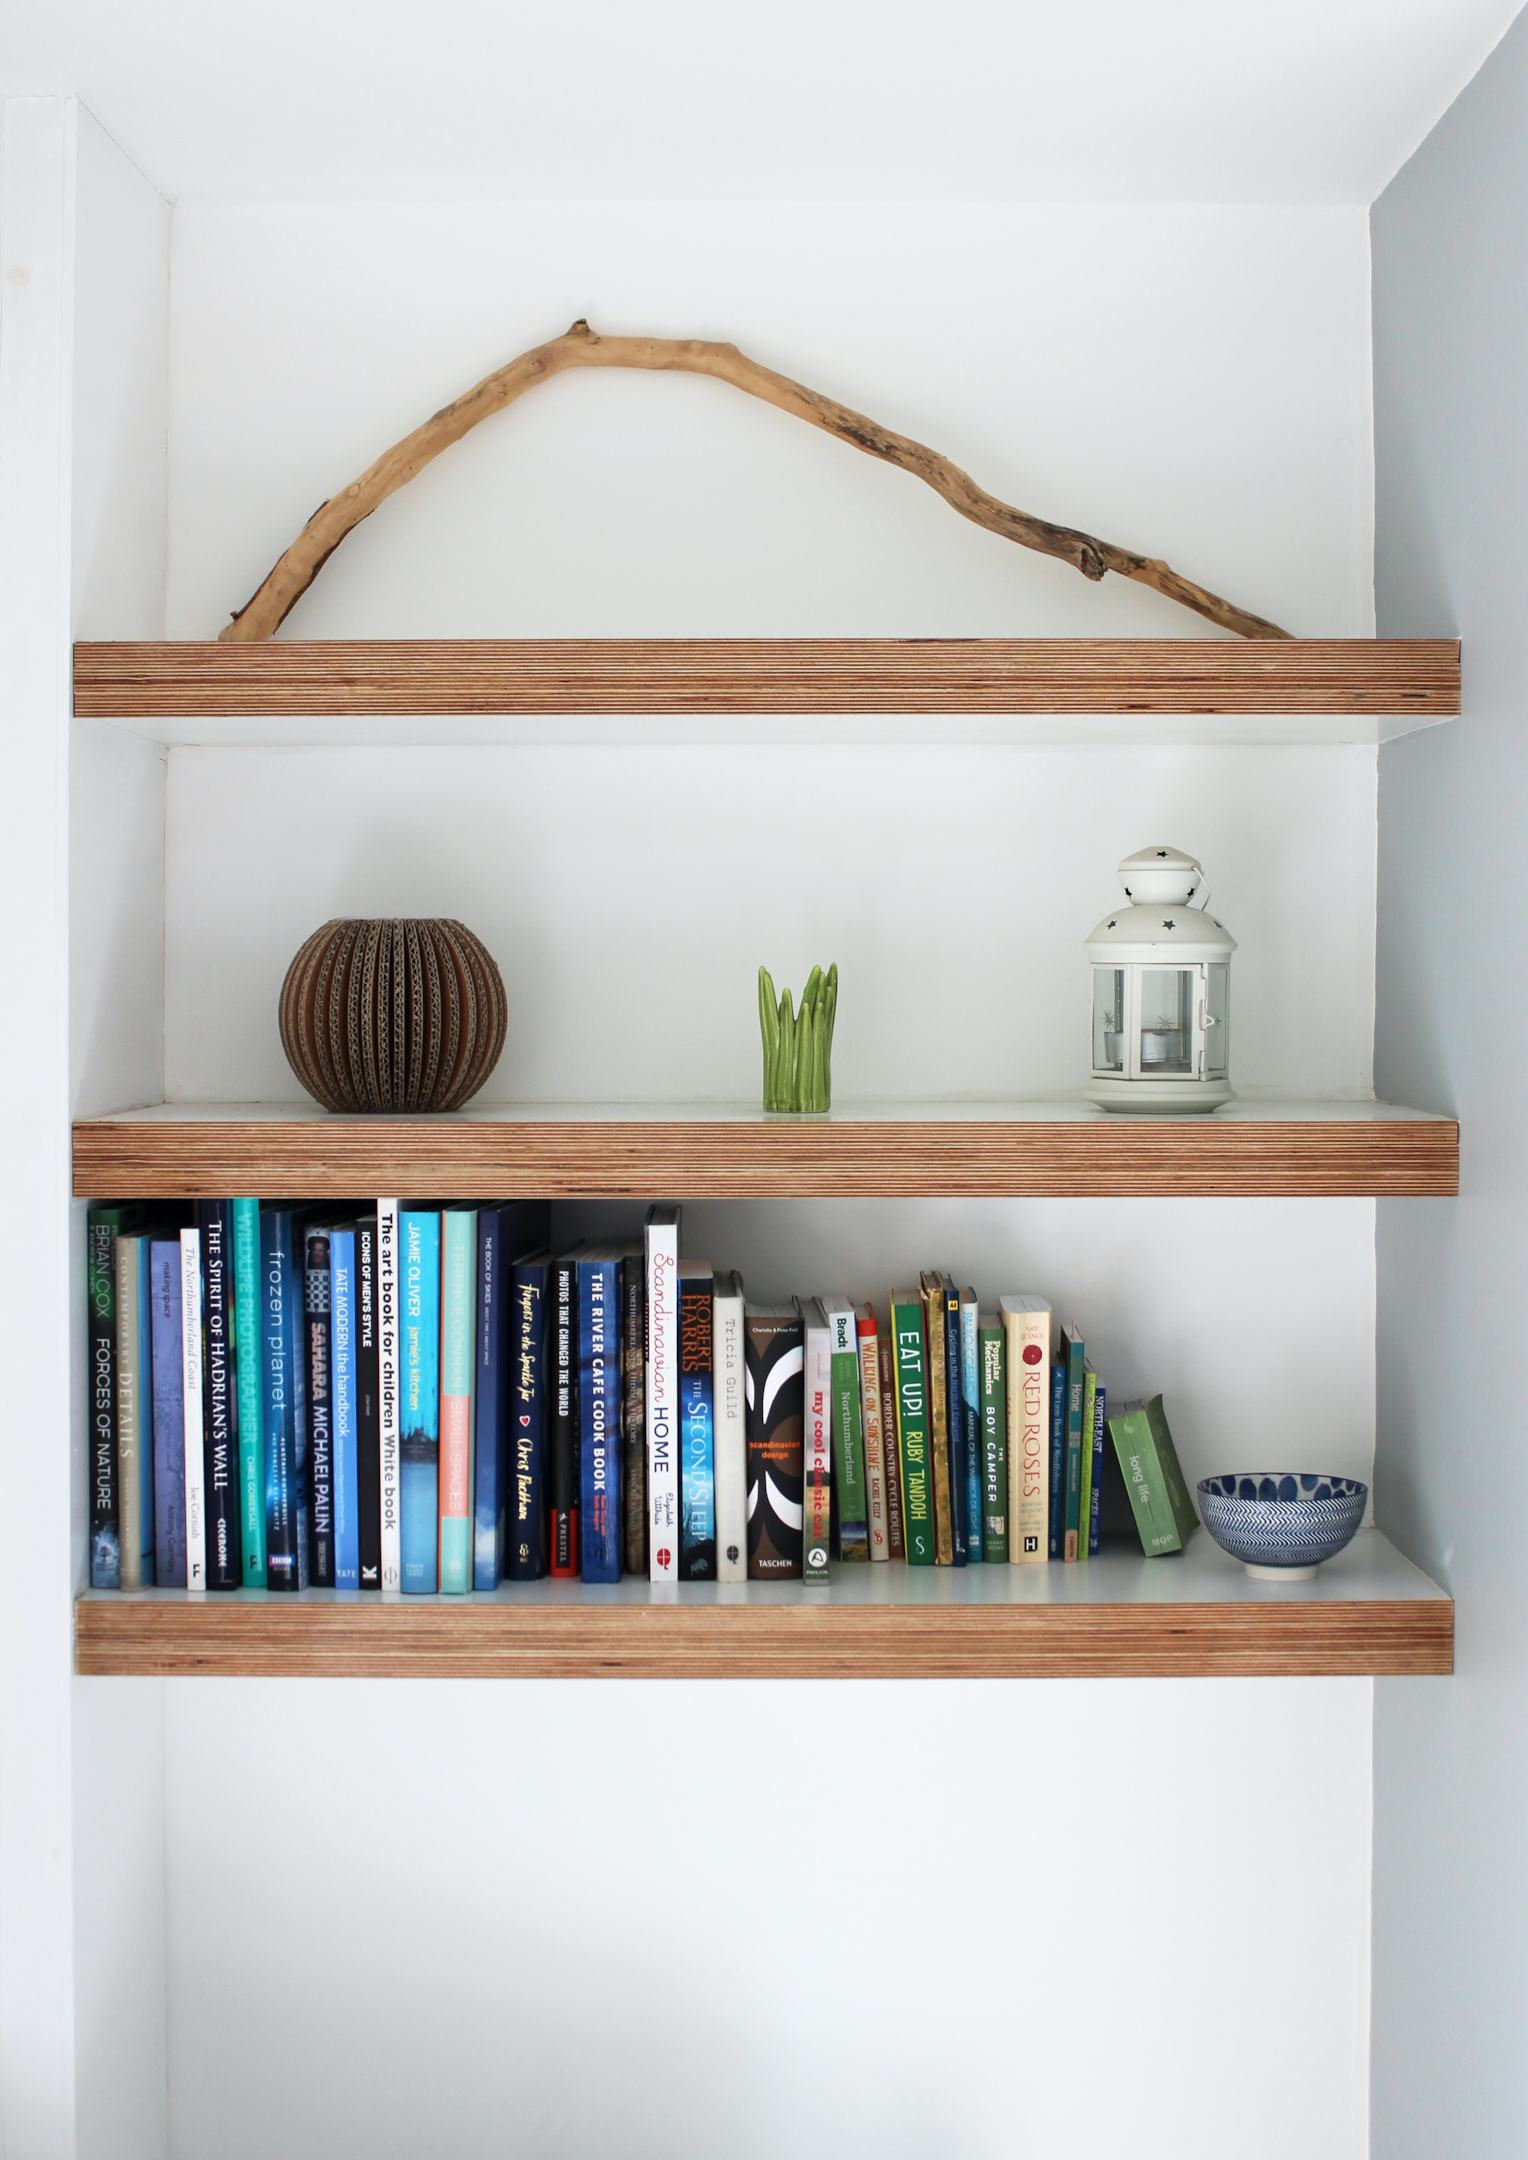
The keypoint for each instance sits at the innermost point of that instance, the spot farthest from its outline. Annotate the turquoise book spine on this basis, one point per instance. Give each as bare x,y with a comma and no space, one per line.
458,1284
246,1350
419,1413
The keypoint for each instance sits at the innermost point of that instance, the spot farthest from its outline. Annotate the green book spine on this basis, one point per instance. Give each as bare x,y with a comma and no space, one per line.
993,1376
246,1340
1136,1447
848,1434
1085,1457
911,1396
938,1416
1072,1358
1174,1485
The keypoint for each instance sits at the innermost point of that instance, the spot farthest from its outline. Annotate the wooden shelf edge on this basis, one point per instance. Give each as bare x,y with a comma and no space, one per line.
498,1640
1417,678
457,1159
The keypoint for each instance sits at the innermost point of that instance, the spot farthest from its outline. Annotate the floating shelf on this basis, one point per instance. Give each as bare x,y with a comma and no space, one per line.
1368,1611
1345,689
684,1151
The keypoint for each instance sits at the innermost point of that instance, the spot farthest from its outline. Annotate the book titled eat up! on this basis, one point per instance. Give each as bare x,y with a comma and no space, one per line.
1164,1513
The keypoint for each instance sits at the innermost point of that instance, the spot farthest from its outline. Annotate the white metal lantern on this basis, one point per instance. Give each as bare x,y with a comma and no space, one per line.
1161,992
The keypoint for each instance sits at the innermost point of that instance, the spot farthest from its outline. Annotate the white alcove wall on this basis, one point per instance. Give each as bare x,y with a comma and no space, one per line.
429,1903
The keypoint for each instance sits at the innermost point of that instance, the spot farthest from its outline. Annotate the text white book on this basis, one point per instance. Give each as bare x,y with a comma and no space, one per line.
661,1258
191,1407
1027,1328
387,1394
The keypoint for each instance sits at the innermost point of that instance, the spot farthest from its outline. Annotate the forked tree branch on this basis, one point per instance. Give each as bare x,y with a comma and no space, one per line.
583,347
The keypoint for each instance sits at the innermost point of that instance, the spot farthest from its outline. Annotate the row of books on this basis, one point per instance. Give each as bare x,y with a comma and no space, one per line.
430,1399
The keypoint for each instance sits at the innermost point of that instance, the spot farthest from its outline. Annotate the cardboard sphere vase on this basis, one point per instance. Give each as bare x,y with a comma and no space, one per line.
393,1017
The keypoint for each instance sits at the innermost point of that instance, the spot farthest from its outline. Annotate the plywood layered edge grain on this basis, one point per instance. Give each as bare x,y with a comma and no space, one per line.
1409,677
924,1158
495,1639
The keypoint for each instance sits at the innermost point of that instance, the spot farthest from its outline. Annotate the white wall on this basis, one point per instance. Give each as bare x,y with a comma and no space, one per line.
343,1862
1450,1871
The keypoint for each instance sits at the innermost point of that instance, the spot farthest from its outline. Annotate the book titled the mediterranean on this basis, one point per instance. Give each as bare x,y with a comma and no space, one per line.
419,1399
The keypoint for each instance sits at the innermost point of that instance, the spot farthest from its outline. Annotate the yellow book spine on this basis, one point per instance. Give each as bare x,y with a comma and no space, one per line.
1028,1337
939,1419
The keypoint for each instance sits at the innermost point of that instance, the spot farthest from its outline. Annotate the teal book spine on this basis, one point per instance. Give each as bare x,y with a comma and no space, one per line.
419,1410
458,1303
1095,1499
247,1369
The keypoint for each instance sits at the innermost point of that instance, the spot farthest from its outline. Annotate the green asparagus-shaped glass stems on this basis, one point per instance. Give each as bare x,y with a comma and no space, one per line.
798,1046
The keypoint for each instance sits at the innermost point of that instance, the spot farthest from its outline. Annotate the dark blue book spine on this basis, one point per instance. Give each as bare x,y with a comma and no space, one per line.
1095,1498
490,1411
169,1420
1058,1458
955,1411
528,1286
318,1372
220,1396
284,1558
599,1419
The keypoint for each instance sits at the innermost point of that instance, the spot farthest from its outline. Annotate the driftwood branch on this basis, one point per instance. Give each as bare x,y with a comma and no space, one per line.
583,347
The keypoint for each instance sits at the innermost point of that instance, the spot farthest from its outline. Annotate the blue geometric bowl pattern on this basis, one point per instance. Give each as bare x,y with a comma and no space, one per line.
1281,1518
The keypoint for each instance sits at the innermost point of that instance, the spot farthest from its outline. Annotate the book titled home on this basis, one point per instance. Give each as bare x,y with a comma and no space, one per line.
849,1480
458,1302
419,1399
992,1376
1164,1513
317,1353
910,1394
730,1414
1027,1338
868,1350
250,1378
220,1395
816,1439
661,1258
600,1526
772,1395
697,1432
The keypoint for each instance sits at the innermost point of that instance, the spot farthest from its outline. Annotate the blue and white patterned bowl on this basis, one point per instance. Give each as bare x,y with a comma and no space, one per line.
1281,1524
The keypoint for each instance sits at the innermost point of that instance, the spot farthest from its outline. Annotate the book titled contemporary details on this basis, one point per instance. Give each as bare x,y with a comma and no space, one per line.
415,1400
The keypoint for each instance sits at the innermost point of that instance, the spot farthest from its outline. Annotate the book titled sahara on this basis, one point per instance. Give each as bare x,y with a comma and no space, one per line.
772,1395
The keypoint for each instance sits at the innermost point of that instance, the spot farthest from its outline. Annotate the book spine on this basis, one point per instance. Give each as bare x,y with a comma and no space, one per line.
169,1416
219,1363
527,1407
994,1443
318,1360
1085,1459
913,1431
368,1408
634,1410
101,1325
849,1481
564,1449
599,1421
249,1365
345,1390
193,1408
1071,1343
389,1396
772,1396
1095,1501
869,1348
419,1399
937,1413
727,1390
817,1451
278,1303
955,1425
697,1432
132,1435
970,1411
661,1254
891,1453
492,1505
1028,1362
1136,1448
1057,1509
458,1334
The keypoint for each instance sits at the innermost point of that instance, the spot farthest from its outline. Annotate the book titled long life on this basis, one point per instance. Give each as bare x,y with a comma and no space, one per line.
250,1381
419,1398
697,1429
661,1253
389,1399
773,1353
345,1390
600,1526
458,1283
220,1391
1027,1332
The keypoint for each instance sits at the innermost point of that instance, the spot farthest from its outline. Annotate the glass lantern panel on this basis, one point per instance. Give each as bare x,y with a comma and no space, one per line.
1217,1019
1167,1022
1108,1020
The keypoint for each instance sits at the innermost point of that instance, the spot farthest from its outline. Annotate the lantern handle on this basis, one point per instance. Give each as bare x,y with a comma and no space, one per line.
1204,895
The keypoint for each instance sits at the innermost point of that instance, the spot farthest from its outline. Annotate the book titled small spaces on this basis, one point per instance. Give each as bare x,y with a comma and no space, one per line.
1164,1513
772,1350
697,1424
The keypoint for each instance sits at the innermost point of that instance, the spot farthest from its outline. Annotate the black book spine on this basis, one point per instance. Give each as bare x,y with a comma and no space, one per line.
101,1291
220,1397
316,1314
634,1407
564,1408
368,1427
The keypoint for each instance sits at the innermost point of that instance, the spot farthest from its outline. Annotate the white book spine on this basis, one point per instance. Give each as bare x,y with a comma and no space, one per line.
875,1441
387,1394
731,1441
662,1377
817,1447
1027,1330
191,1407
